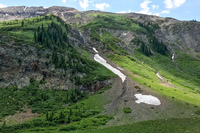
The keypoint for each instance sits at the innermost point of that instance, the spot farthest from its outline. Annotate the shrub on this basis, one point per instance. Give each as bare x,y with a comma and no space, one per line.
74,118
41,123
137,87
68,128
197,112
32,80
127,110
100,92
106,88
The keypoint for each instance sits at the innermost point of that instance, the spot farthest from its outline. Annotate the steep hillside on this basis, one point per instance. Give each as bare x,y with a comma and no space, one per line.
182,34
40,66
51,66
41,49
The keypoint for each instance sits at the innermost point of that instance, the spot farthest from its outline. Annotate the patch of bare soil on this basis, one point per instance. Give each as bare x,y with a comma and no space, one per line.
166,84
20,117
135,75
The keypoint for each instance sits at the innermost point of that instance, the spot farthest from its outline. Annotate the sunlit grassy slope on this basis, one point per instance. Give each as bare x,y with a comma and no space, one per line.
188,78
149,78
185,77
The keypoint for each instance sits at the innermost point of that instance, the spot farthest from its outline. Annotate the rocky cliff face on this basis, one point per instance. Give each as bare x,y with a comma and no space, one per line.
21,63
21,12
183,34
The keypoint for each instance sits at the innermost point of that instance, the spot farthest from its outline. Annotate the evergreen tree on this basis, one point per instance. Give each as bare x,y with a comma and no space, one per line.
42,27
51,116
68,119
47,116
35,38
38,29
22,24
67,97
145,50
55,58
70,112
62,117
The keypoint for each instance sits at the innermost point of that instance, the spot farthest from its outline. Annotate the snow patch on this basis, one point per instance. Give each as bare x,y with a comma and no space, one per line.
159,75
25,8
99,59
147,99
39,12
95,50
173,57
124,34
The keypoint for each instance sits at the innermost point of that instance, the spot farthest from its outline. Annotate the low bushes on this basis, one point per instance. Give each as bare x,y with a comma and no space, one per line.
127,110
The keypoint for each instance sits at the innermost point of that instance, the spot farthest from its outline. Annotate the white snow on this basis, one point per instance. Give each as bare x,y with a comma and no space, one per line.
25,8
147,99
173,57
159,75
124,34
95,50
99,59
120,68
39,12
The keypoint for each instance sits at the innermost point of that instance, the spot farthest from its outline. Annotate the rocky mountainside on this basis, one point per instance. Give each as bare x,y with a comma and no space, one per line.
119,33
23,59
183,34
140,67
21,12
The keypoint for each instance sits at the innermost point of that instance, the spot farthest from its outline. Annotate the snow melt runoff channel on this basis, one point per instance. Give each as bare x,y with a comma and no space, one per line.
99,59
147,99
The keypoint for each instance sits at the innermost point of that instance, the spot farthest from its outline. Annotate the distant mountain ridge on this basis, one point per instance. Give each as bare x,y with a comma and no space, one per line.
25,9
21,12
171,31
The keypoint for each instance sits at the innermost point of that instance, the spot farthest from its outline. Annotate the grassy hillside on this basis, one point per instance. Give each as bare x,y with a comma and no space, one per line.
113,22
53,115
148,78
86,117
52,34
154,55
160,126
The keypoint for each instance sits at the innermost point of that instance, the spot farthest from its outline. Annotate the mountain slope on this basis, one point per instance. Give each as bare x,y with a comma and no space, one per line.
43,56
34,61
158,56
